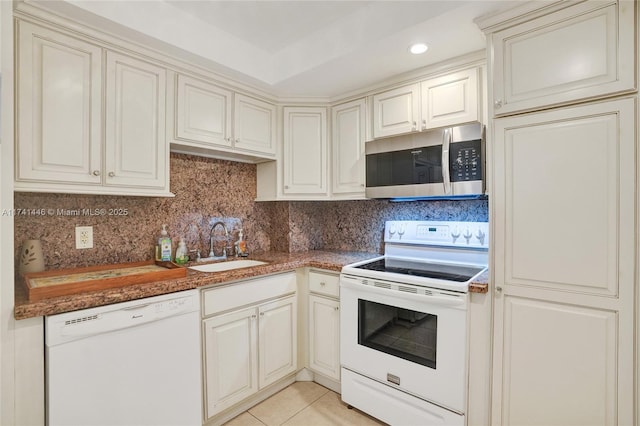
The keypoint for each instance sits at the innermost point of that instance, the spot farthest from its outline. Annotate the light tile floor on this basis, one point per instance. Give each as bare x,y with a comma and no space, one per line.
303,404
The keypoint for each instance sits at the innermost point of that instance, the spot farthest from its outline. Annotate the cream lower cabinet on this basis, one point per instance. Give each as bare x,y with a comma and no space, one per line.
324,324
565,240
249,348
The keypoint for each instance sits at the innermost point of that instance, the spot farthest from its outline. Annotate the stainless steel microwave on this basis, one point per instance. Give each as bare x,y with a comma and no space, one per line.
444,163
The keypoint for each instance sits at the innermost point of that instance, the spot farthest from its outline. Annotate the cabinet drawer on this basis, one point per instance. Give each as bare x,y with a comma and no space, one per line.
243,293
327,284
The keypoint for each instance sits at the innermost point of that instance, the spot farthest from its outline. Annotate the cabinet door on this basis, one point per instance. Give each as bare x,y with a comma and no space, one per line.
305,150
278,341
450,100
324,336
396,111
230,358
564,235
348,122
579,52
59,110
136,151
203,113
254,125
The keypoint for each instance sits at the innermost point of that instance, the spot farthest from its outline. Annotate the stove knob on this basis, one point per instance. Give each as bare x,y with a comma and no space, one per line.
392,230
400,231
455,234
480,236
467,235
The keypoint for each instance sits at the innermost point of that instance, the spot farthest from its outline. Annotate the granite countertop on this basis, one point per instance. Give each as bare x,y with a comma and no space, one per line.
277,262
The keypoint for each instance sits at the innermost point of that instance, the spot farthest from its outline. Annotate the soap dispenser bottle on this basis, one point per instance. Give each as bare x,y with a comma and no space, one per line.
181,253
164,245
241,245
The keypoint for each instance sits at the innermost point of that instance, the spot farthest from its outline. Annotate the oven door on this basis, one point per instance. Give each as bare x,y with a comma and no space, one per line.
413,342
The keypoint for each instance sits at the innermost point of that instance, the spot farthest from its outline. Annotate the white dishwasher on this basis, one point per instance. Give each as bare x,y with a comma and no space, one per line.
135,363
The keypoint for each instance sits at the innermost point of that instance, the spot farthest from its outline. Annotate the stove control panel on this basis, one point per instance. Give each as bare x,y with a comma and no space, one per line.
450,234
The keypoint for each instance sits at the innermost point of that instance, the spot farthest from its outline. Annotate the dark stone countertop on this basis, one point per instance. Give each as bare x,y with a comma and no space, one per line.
277,262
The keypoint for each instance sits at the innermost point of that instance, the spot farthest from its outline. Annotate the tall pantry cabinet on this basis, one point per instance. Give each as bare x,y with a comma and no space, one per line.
564,213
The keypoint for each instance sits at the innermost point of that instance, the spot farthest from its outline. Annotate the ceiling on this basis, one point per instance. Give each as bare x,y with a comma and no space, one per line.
298,48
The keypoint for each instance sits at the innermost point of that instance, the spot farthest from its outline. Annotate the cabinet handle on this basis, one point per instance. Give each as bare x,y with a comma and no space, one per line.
254,316
499,289
497,104
96,173
337,308
111,174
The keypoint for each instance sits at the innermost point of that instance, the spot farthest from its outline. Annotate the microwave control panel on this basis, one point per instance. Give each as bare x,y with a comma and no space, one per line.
465,161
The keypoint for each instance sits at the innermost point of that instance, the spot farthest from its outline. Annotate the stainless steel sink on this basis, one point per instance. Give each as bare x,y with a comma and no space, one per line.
226,266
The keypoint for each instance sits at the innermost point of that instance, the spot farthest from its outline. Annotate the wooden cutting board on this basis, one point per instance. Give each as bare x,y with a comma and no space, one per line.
65,282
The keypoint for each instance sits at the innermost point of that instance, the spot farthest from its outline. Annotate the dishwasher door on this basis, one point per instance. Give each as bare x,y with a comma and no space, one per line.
135,363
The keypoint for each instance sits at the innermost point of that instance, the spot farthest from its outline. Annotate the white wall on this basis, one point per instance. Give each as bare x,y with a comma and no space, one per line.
7,323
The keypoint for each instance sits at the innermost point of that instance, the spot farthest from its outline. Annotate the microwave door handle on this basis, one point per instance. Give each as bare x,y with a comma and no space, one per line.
446,177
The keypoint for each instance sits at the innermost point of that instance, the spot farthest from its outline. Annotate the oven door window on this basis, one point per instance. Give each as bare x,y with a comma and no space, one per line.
403,333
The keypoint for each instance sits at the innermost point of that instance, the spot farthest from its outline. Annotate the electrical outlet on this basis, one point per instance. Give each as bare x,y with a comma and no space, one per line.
84,237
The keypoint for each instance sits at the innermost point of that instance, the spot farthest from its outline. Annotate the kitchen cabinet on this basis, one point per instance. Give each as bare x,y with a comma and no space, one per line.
579,52
324,324
250,338
211,117
305,151
347,148
136,151
446,100
564,242
61,109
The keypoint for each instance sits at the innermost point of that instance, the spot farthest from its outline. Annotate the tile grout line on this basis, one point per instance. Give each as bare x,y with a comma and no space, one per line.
261,422
306,406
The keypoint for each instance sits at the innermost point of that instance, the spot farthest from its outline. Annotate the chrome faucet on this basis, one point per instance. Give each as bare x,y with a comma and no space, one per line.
212,255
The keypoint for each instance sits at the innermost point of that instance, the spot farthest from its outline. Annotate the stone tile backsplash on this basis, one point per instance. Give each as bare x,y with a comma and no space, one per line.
207,190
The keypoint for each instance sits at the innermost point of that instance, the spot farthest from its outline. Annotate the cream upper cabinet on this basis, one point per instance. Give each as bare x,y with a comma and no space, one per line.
347,147
579,52
447,100
208,116
62,144
305,150
203,112
136,150
564,263
450,100
254,125
396,111
59,109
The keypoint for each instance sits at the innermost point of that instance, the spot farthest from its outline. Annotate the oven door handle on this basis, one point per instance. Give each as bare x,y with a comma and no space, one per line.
436,298
447,137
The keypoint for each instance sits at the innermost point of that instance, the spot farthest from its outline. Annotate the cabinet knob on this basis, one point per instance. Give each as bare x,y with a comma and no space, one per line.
261,314
424,124
323,283
337,308
286,187
96,173
499,289
254,316
497,104
415,126
237,140
111,174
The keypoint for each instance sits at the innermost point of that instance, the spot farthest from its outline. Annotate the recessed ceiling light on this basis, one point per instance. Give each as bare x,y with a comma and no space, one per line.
418,48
